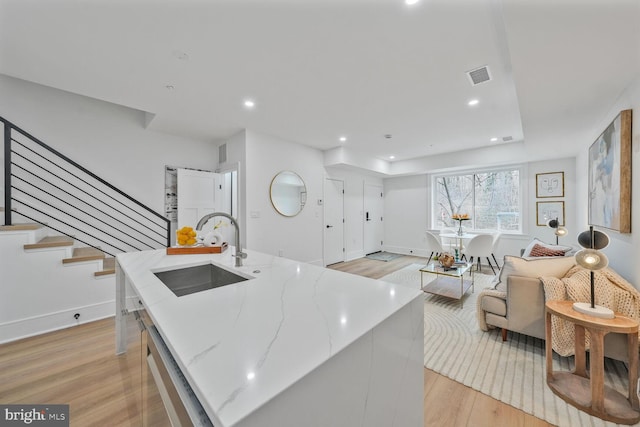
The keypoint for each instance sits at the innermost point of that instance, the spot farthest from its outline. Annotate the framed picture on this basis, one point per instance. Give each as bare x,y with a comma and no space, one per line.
610,176
550,184
549,210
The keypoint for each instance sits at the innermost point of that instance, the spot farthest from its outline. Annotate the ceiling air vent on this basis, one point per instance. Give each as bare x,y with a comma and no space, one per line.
507,138
479,75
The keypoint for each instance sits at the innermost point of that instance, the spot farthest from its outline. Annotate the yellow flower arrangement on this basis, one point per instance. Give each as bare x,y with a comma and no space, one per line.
460,217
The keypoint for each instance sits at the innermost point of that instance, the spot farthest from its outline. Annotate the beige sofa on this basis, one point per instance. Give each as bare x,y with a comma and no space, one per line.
516,303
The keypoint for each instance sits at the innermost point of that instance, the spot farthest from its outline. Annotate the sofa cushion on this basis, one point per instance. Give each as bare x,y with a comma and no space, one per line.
566,250
539,250
549,267
494,305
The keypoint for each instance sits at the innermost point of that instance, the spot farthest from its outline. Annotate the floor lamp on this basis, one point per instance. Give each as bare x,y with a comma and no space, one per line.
592,259
559,231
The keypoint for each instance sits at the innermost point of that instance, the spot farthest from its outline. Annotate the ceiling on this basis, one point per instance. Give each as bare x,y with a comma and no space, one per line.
321,69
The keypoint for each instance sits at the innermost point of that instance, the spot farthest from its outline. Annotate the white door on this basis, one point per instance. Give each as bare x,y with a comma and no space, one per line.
196,195
373,217
333,221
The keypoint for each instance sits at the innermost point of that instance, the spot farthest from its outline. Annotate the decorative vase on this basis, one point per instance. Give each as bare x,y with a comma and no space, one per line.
213,238
446,260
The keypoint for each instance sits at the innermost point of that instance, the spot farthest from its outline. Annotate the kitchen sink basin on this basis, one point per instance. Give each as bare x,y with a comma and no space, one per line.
189,280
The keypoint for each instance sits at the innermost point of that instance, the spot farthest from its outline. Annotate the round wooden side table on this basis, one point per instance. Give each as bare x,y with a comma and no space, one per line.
588,392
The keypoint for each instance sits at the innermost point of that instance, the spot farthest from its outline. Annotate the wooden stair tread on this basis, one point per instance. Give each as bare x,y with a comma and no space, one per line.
84,254
108,267
51,242
16,227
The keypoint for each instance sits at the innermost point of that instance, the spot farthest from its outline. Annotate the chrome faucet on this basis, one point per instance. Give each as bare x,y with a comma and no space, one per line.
239,254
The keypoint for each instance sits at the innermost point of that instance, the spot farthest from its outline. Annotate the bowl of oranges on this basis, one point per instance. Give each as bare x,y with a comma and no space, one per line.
186,236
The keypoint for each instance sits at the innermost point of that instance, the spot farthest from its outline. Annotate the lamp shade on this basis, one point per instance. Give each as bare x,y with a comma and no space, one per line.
553,223
600,239
561,231
592,259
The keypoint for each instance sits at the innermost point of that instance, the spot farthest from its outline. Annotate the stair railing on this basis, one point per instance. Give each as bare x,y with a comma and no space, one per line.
44,186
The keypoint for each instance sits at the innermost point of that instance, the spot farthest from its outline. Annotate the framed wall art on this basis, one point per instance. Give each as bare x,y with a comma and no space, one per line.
549,210
550,184
610,176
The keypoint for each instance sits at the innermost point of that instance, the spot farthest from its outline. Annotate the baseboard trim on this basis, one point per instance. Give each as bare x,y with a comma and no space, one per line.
37,325
406,251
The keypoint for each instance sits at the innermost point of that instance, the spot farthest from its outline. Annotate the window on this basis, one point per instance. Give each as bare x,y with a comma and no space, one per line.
491,199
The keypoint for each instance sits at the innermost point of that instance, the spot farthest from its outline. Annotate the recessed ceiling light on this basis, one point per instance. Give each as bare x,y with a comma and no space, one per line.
343,138
473,102
249,103
410,2
392,157
494,139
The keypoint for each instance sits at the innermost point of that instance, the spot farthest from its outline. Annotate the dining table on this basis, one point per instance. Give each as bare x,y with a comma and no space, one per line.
460,238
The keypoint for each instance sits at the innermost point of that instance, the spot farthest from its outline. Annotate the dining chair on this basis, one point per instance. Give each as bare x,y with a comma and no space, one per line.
480,246
433,245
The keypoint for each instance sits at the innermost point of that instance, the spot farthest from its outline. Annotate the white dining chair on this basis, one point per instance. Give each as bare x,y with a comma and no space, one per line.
480,246
433,245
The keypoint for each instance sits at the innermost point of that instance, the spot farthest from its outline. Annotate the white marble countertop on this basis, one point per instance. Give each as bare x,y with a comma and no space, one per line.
241,345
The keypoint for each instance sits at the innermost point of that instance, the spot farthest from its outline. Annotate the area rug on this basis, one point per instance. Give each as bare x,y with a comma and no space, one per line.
512,371
383,256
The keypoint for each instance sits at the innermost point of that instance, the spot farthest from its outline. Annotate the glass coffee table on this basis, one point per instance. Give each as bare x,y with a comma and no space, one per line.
450,282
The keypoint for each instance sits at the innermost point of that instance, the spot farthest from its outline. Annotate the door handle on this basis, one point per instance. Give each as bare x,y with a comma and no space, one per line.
329,226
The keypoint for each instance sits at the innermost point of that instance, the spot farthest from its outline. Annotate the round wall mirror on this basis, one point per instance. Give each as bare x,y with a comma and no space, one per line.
288,193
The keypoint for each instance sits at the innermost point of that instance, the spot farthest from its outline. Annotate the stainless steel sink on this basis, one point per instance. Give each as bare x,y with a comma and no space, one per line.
189,280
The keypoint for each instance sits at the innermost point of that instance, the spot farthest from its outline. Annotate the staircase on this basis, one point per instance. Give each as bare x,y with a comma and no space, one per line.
79,254
63,227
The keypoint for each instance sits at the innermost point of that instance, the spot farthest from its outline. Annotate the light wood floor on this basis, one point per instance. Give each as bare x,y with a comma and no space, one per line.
78,366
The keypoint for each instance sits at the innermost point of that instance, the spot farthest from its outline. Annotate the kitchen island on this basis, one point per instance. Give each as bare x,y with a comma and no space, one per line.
294,345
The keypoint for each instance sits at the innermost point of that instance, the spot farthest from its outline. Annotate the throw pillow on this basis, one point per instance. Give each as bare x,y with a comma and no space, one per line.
534,242
516,266
539,250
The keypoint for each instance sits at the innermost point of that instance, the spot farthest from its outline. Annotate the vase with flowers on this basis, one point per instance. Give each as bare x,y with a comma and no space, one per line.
460,218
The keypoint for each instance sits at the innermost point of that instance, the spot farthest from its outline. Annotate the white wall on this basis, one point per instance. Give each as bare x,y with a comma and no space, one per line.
236,159
108,139
406,217
624,248
260,158
298,237
407,209
544,233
